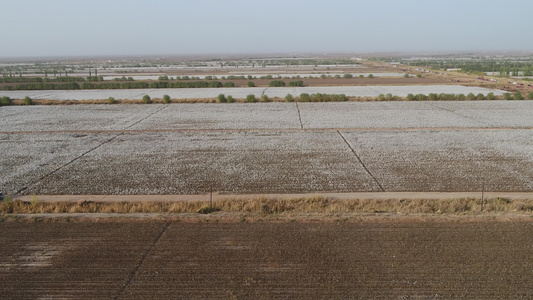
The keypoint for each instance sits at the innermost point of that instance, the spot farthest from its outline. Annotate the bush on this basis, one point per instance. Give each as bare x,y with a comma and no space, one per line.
433,96
222,98
276,83
480,96
147,99
507,96
361,76
418,75
471,96
518,96
230,99
229,84
296,83
461,97
251,84
410,97
490,96
166,99
347,75
530,96
304,97
250,98
28,101
370,76
5,101
289,98
406,75
111,100
420,97
381,97
264,98
389,97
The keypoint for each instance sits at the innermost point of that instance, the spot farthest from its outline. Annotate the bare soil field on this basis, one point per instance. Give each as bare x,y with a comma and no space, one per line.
362,257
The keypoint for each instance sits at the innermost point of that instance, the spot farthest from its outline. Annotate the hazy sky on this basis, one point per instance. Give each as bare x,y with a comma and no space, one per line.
137,27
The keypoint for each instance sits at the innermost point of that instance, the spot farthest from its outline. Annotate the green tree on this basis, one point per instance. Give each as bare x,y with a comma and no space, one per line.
28,101
471,96
5,101
251,98
480,96
289,98
507,96
229,84
347,75
230,99
251,84
222,98
265,98
410,97
147,99
491,96
370,76
166,99
304,97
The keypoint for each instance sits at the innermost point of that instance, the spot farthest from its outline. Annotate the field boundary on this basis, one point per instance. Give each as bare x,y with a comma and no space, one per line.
336,196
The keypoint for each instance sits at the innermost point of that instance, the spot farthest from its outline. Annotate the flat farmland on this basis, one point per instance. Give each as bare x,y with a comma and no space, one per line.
201,93
267,148
360,258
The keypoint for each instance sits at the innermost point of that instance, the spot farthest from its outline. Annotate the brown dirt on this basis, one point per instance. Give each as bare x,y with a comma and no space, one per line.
364,257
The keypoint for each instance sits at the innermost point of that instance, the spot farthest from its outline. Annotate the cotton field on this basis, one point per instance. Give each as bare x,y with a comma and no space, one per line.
201,93
267,148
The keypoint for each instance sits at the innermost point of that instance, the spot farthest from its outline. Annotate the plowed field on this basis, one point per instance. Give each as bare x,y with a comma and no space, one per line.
366,258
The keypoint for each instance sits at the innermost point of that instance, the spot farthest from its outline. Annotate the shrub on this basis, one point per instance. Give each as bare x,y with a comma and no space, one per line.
229,84
406,75
347,75
230,99
5,101
251,84
166,99
111,100
418,75
433,96
296,83
147,99
264,98
461,97
381,97
251,98
530,96
507,96
222,98
304,97
289,98
420,97
410,97
361,76
518,96
276,83
480,96
389,97
490,96
323,76
28,101
471,96
370,76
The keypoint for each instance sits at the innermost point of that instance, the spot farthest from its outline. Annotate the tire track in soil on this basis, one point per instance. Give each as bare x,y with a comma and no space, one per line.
299,115
263,92
135,271
121,132
361,162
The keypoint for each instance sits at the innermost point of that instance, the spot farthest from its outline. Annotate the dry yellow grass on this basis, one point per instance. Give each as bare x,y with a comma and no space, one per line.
267,206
